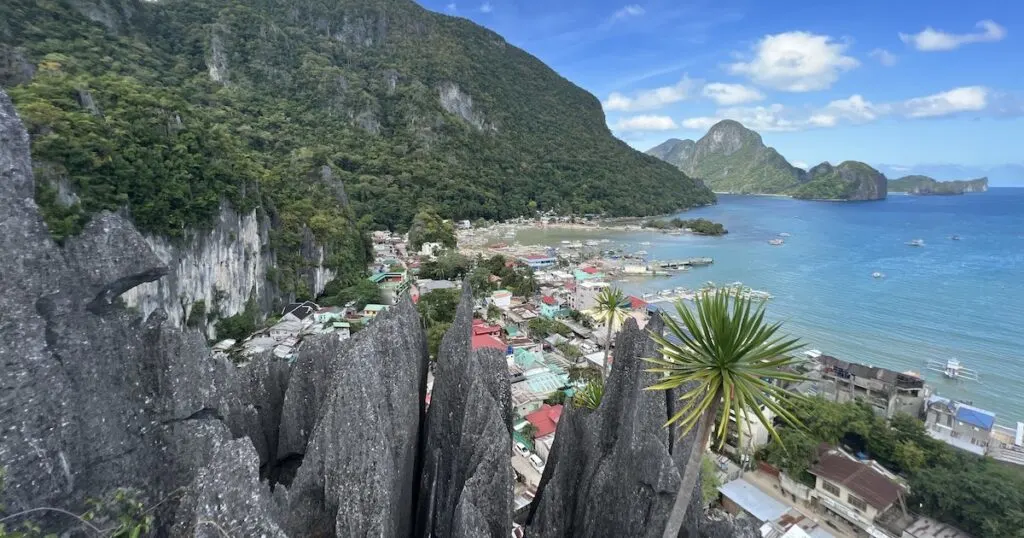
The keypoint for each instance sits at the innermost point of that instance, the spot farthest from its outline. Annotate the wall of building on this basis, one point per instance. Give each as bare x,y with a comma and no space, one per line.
867,515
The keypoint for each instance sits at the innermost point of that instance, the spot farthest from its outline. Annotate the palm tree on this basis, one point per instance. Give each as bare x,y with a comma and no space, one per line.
727,358
611,309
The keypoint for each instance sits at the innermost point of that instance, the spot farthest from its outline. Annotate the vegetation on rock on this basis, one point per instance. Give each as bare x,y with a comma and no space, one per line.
697,226
428,227
927,185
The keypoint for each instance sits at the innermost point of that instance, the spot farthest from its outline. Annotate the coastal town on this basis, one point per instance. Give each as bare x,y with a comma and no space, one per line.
554,343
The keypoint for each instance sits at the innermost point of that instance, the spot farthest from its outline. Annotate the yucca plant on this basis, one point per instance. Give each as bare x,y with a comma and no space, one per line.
728,358
589,395
611,308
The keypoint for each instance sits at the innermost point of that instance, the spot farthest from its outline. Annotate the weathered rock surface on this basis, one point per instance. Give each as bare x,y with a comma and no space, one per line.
615,471
227,497
359,471
94,398
466,489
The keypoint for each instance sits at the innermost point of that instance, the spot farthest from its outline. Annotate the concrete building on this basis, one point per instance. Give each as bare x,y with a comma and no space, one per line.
538,261
755,435
393,284
501,298
960,425
887,391
586,294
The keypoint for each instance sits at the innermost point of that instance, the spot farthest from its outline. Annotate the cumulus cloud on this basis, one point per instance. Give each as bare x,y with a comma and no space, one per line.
884,57
486,7
965,99
650,99
857,110
931,40
796,62
632,10
452,7
646,123
731,94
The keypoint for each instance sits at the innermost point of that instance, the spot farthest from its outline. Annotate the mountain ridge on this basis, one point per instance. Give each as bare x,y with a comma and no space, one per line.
734,159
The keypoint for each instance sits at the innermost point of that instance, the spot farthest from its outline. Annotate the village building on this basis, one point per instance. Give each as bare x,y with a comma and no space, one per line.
888,392
392,285
960,425
864,497
501,298
586,294
538,261
370,311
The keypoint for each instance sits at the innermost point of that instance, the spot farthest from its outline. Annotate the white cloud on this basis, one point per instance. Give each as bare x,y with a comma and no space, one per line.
731,94
965,99
796,62
486,7
884,57
452,7
646,123
930,39
650,99
800,164
632,10
853,110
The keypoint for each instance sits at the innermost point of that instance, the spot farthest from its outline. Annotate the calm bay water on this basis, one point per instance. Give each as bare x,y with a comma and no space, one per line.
950,299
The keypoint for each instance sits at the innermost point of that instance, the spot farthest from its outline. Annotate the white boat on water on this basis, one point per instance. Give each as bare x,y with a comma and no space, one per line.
645,243
876,274
916,243
775,242
952,369
783,234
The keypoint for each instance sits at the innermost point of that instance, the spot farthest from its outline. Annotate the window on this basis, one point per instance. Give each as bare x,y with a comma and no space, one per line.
830,487
857,503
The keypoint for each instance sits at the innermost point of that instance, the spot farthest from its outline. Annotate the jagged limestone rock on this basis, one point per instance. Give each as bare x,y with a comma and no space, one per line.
615,471
94,398
466,486
358,472
227,498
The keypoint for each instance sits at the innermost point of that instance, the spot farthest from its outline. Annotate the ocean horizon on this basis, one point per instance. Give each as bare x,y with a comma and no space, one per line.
960,299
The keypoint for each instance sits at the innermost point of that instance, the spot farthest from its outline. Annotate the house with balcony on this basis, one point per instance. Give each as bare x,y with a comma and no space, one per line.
887,391
863,497
393,284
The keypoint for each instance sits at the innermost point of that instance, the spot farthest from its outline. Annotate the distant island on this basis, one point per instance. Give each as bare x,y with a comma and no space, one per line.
924,185
697,226
731,158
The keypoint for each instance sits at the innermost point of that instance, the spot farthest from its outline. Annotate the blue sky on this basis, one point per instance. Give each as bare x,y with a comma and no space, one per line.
905,82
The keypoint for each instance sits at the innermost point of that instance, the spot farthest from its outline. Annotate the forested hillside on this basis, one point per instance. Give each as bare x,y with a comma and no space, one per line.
301,107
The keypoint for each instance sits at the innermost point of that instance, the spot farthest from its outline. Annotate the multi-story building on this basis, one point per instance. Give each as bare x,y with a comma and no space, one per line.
975,430
887,391
586,294
963,426
861,496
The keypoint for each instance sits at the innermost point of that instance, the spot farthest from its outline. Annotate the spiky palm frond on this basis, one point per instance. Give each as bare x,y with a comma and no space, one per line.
733,355
611,306
589,395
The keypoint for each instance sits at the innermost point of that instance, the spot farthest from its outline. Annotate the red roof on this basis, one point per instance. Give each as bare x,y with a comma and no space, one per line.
545,419
637,303
481,341
549,300
481,327
590,270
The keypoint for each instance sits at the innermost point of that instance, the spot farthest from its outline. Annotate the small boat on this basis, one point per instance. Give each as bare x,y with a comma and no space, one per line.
775,242
955,237
646,243
916,243
952,369
876,274
783,234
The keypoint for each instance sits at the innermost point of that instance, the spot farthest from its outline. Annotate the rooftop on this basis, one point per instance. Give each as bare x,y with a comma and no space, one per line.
929,528
549,300
846,370
545,419
488,341
375,307
874,487
753,501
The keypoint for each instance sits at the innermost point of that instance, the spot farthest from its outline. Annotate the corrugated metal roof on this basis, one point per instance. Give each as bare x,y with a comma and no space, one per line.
976,417
753,501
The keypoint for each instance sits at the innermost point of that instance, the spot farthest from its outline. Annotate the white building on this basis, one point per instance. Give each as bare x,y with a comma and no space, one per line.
586,294
430,249
501,298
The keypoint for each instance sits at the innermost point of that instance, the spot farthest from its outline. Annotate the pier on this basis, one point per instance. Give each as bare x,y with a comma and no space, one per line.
677,264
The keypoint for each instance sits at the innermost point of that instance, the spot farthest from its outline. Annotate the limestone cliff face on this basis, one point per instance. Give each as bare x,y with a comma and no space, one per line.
674,151
224,268
849,181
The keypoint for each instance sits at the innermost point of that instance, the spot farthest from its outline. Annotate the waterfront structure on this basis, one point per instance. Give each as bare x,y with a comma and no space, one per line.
973,429
888,392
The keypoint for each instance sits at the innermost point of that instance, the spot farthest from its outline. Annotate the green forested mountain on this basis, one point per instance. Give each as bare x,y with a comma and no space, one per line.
732,158
317,112
927,185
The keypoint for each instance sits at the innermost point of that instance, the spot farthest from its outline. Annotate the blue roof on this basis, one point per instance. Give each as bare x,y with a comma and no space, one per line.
979,418
753,501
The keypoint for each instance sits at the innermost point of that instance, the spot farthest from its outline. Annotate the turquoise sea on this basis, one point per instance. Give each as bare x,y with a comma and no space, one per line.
949,299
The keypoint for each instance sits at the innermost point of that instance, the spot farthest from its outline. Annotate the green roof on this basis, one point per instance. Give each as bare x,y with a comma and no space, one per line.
340,325
375,307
